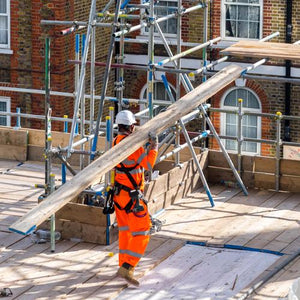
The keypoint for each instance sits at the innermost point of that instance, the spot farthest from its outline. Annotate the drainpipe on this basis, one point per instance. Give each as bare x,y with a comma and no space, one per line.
288,39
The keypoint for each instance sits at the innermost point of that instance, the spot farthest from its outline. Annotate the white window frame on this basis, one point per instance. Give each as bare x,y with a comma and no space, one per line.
8,109
223,21
223,119
167,35
7,14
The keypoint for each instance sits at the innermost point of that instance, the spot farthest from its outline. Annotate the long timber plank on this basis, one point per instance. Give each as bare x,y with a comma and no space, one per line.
264,50
95,170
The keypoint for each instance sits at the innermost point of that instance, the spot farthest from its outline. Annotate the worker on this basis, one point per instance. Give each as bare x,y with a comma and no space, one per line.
130,206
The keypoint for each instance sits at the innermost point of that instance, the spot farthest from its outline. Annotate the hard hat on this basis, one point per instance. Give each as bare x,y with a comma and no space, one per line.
125,117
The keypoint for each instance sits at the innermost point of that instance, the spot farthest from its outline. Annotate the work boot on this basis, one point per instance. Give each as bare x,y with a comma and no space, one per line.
126,272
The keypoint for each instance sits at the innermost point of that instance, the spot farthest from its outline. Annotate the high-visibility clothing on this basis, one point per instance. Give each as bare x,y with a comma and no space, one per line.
134,228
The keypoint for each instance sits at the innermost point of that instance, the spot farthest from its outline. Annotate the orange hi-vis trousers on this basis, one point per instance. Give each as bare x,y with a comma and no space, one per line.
134,231
134,228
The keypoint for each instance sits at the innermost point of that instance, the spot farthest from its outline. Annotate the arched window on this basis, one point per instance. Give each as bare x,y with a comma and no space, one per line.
251,124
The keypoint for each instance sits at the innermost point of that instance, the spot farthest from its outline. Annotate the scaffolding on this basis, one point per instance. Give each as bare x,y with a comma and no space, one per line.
120,26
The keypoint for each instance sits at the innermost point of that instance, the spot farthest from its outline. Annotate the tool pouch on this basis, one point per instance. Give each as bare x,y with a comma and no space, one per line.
136,196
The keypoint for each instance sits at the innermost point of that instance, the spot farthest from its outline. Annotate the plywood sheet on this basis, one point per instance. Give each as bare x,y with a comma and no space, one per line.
195,272
264,50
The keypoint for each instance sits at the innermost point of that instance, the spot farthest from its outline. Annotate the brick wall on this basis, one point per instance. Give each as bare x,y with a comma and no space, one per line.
25,67
271,94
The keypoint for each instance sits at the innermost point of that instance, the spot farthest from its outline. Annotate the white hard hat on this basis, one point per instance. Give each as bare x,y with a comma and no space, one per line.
125,117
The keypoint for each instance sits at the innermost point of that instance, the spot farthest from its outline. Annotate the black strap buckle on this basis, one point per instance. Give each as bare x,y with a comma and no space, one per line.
6,292
109,203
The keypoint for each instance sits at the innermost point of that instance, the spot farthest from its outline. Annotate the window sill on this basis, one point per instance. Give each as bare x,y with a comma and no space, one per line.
171,39
6,51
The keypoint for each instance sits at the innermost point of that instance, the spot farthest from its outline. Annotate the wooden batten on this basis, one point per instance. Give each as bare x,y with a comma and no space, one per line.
264,50
257,171
290,167
84,232
83,214
112,157
13,144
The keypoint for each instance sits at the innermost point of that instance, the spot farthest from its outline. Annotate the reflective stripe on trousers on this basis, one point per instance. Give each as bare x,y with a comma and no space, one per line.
133,232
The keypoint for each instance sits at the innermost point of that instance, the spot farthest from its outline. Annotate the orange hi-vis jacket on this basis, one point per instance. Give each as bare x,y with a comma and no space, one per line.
141,160
134,228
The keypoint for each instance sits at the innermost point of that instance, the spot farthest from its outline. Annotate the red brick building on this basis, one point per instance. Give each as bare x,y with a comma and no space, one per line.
22,56
234,21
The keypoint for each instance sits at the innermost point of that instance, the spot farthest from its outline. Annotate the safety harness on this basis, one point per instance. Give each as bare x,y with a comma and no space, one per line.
135,194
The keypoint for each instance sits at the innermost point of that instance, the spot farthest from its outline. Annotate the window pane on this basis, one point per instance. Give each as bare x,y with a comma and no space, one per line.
231,20
250,132
231,125
231,145
3,30
252,101
249,147
3,121
242,94
231,99
3,8
242,30
3,106
243,13
253,30
251,120
253,13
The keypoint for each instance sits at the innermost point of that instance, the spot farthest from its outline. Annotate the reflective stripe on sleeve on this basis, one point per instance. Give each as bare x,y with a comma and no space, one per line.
142,156
128,162
149,166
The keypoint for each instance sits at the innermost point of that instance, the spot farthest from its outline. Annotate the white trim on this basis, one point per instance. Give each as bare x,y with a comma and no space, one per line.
194,64
144,60
223,118
223,20
7,46
8,108
6,51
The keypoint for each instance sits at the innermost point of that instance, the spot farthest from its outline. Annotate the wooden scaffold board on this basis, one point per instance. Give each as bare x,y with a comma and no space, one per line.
264,50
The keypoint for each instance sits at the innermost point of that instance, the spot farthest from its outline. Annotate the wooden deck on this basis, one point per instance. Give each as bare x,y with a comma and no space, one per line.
264,220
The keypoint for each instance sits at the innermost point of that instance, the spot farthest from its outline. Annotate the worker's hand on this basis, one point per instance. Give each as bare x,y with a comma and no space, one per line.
153,140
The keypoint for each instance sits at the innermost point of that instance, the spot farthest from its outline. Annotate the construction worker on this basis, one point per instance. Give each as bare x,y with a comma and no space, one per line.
131,209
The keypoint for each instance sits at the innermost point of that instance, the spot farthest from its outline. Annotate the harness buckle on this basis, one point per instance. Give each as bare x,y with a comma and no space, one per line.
136,196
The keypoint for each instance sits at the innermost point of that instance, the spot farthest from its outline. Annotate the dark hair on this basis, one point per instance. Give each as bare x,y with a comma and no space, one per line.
123,127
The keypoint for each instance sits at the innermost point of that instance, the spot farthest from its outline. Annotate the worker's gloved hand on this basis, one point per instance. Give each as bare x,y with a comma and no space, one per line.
153,140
